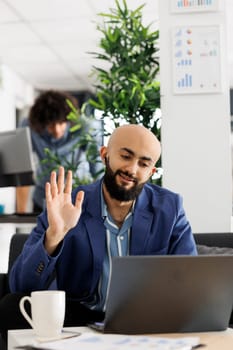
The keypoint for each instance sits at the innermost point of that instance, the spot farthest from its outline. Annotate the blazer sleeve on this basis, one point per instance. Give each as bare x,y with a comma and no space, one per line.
33,267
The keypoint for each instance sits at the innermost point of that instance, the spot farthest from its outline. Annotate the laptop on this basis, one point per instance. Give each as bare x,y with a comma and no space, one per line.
169,294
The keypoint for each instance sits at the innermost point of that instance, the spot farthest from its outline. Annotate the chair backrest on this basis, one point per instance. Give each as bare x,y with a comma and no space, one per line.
223,239
16,246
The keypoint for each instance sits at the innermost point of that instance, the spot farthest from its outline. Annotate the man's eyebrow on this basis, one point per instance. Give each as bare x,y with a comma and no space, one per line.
149,159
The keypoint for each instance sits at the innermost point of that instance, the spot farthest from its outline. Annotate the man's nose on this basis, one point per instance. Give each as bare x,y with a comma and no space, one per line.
56,131
132,167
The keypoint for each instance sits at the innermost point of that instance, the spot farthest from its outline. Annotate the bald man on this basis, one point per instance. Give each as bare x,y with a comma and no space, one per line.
121,214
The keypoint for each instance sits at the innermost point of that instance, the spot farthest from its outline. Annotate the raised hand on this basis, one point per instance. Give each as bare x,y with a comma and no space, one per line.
62,214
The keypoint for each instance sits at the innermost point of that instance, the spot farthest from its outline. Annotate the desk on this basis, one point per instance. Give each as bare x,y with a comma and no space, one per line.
213,340
18,218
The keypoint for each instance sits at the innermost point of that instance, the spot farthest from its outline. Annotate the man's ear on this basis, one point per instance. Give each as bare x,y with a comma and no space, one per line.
153,171
103,153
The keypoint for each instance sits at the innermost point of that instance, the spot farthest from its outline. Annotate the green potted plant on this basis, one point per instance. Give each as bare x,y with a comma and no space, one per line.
128,91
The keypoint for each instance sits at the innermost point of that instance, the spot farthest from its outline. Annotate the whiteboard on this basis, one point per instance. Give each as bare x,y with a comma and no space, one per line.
196,61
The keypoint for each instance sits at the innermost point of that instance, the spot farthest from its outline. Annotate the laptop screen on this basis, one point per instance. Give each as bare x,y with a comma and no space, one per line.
161,294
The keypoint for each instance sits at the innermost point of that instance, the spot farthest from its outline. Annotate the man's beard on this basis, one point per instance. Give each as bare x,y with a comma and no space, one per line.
119,192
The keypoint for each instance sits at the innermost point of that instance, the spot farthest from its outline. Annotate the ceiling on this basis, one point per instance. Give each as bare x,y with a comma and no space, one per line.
47,41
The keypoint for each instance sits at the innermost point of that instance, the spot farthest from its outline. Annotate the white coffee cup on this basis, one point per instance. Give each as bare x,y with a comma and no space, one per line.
48,312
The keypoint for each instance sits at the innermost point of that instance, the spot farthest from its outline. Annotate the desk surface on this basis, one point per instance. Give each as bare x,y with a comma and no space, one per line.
18,218
212,340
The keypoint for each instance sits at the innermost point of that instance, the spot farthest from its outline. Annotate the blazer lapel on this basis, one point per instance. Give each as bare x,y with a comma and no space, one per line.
96,233
141,227
95,225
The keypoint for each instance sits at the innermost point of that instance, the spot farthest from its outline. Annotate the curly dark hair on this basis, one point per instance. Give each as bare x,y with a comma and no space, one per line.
50,107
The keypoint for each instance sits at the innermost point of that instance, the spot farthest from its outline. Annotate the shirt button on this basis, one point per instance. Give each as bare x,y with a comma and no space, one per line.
122,237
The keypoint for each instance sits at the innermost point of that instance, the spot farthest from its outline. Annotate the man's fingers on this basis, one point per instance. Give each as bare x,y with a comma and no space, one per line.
60,180
79,199
68,186
48,195
53,183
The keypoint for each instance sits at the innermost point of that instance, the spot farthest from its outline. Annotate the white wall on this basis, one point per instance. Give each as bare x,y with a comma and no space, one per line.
14,93
196,133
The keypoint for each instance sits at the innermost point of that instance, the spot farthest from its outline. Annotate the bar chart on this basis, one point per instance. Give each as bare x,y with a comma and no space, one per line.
185,81
194,5
196,59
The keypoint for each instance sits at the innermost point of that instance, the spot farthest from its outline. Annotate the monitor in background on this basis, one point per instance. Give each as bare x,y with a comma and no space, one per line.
16,158
231,102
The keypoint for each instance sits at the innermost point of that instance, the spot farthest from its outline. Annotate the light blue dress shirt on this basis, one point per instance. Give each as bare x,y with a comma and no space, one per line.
117,244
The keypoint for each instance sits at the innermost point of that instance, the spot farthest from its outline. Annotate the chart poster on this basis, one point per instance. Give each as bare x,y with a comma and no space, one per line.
181,6
196,59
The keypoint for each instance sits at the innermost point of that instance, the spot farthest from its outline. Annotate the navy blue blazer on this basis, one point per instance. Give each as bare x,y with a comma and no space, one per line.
159,227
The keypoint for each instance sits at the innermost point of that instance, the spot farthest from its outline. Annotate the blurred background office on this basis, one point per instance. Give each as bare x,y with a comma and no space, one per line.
46,44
